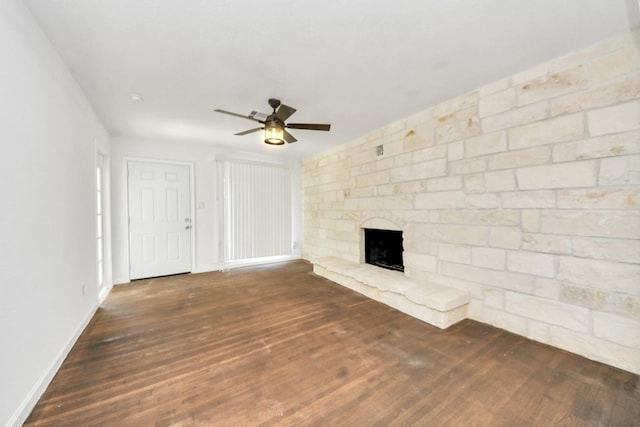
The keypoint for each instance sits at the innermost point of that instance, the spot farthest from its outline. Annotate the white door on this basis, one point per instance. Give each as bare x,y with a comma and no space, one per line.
159,219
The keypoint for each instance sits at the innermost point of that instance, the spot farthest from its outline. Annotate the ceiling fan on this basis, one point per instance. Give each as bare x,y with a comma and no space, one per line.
274,123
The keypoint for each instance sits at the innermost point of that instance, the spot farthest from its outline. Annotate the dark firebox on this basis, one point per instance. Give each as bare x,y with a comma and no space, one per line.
383,248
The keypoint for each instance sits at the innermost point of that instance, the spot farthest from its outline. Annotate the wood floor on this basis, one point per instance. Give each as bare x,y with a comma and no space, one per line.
278,346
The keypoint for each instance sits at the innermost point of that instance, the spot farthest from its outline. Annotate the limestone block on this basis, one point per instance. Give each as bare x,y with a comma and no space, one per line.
420,261
372,179
360,157
546,243
371,203
523,283
494,87
402,160
621,330
466,166
398,202
421,137
516,117
474,183
520,158
362,169
383,163
562,175
351,205
486,144
455,150
624,170
614,224
548,288
534,263
538,331
616,64
480,217
456,104
622,250
600,198
530,220
444,184
619,118
505,320
454,253
628,305
594,348
558,83
505,237
488,258
381,224
423,117
463,115
344,226
613,276
537,72
497,102
422,170
493,297
409,187
431,153
559,129
593,148
500,181
483,201
457,131
613,93
385,190
441,200
437,297
461,234
528,199
391,148
553,312
592,298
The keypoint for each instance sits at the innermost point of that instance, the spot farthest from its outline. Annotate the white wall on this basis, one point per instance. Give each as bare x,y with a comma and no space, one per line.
208,196
49,134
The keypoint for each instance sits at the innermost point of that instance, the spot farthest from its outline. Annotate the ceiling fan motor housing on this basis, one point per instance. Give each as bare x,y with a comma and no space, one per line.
274,103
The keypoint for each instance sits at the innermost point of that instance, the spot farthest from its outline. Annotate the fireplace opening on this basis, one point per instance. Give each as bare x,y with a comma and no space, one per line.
383,248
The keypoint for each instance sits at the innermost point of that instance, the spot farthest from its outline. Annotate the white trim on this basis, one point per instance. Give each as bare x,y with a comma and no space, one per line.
24,409
192,203
229,265
104,293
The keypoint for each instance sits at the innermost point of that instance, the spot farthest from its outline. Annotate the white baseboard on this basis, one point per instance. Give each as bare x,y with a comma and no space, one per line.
29,402
228,265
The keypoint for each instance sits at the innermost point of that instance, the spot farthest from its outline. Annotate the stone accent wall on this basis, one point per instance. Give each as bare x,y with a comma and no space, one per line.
525,193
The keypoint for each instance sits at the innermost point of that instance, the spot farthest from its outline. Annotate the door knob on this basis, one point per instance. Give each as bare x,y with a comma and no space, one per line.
187,227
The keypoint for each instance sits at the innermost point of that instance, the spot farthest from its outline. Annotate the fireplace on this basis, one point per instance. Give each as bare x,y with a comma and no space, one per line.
383,248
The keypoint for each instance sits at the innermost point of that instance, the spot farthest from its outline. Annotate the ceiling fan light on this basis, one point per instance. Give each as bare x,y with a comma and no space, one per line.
273,134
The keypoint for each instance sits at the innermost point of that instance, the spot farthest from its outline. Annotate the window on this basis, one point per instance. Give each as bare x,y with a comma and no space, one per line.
257,210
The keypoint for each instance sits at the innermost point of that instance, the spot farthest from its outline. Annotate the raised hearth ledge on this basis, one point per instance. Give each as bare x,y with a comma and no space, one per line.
434,304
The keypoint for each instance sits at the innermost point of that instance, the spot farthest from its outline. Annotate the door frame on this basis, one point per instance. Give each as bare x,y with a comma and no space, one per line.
192,203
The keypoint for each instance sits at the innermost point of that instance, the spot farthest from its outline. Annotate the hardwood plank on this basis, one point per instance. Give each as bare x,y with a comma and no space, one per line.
278,345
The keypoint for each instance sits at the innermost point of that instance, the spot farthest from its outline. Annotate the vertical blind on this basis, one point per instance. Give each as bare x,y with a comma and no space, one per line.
257,210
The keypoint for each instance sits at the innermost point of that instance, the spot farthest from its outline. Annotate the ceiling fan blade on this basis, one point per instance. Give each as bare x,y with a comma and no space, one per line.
284,112
217,110
289,138
248,131
309,126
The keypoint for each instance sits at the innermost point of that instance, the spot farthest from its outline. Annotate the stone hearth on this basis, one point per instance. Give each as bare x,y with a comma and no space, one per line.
437,305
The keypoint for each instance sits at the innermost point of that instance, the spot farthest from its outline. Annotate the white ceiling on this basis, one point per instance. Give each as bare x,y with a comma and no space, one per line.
355,64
